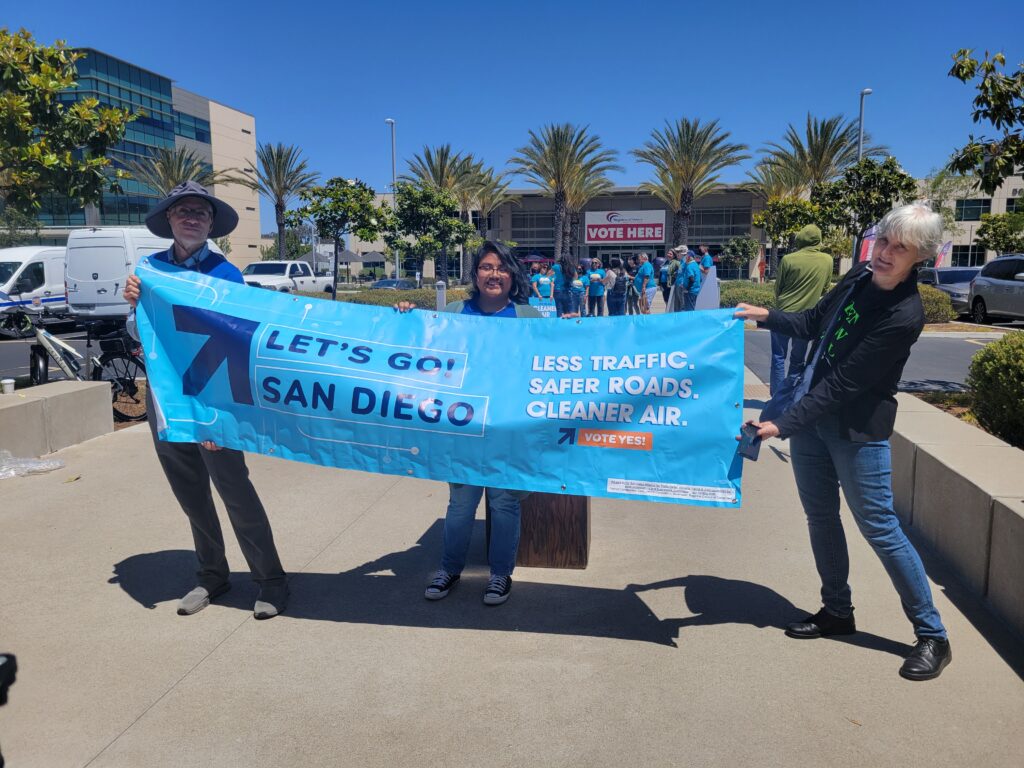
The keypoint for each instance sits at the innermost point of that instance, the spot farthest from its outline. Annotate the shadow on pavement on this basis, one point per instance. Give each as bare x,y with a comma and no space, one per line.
389,591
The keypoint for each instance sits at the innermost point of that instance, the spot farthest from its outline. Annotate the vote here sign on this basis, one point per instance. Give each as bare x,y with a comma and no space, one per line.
624,227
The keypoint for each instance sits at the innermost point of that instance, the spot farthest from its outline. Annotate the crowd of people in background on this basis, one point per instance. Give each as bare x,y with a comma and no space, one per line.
592,288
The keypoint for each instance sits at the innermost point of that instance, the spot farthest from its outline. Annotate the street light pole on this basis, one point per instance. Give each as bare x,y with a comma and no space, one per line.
394,183
860,125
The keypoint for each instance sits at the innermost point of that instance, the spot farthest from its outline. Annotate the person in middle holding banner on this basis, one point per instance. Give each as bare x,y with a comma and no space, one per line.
594,285
498,288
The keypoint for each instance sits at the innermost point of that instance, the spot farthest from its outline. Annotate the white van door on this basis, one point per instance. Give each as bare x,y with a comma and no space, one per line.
98,264
54,296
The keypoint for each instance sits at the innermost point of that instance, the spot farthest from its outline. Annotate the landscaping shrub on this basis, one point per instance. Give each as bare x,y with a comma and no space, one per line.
937,306
732,292
422,297
996,383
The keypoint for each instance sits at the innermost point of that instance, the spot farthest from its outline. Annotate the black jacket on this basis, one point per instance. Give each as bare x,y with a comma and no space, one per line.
863,360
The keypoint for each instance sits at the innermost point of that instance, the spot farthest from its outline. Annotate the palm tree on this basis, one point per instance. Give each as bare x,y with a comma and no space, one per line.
581,191
773,182
686,158
826,149
281,175
556,159
167,168
491,193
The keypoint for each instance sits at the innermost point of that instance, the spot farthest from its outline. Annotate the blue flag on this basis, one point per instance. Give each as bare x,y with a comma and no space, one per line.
633,407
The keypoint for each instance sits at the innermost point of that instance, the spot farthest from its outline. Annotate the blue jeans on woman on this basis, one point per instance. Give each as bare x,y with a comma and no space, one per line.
616,304
822,462
458,527
797,357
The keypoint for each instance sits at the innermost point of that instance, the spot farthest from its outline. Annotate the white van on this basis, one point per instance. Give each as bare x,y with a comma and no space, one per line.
99,260
34,272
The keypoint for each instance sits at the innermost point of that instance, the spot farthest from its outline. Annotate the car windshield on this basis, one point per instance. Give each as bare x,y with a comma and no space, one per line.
957,276
265,269
7,269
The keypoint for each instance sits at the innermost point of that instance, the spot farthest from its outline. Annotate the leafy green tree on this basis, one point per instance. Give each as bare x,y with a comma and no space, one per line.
822,152
781,219
1001,232
295,246
740,250
686,158
1000,103
17,228
338,208
866,192
425,224
490,193
167,168
555,158
47,145
281,174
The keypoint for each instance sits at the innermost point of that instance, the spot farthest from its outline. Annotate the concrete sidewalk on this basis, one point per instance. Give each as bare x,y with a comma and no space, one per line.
666,651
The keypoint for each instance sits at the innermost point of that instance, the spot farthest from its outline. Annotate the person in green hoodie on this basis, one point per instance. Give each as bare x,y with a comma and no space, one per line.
802,278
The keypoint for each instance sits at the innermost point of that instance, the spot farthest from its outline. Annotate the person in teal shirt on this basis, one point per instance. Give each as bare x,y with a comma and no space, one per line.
593,281
690,277
644,282
706,262
542,283
578,292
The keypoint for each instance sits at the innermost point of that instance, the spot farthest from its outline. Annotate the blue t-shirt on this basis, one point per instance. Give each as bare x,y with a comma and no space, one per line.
707,262
691,277
645,270
556,277
577,286
544,285
595,278
205,262
470,307
663,274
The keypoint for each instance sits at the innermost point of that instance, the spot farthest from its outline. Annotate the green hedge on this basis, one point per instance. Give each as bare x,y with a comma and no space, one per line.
421,297
732,292
937,305
996,383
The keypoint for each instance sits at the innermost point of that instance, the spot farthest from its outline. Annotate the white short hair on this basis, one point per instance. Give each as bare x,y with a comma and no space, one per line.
914,224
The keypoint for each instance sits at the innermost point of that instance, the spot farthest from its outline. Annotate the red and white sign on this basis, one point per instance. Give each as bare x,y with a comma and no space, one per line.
618,227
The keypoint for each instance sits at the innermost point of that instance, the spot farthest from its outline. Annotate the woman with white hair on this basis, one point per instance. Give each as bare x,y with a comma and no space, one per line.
839,428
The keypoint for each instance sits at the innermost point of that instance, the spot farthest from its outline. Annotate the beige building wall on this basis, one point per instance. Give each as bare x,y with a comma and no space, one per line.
233,141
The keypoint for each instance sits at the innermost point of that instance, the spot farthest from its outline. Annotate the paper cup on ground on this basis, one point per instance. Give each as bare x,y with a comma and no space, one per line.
7,386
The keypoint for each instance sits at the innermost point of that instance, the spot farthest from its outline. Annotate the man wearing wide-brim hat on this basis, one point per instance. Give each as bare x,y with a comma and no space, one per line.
190,215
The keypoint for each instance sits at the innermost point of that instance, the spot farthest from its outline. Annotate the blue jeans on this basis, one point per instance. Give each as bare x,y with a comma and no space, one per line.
458,527
689,301
797,358
822,462
616,304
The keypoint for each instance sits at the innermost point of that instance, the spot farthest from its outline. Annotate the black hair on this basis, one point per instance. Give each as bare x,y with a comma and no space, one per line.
519,293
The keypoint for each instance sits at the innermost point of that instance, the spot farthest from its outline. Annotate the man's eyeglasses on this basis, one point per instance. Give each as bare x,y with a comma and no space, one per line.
490,269
199,214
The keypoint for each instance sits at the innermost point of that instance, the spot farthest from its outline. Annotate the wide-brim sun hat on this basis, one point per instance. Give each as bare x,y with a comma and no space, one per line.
225,219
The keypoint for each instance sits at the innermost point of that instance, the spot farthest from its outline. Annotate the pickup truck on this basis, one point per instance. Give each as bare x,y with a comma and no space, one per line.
286,276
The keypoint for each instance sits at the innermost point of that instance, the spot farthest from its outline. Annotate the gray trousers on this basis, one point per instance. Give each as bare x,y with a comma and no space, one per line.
189,468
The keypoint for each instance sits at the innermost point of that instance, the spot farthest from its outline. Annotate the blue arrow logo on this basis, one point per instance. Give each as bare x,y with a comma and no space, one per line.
230,340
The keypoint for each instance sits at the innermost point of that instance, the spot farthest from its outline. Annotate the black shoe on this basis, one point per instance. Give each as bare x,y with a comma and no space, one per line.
441,585
822,624
929,657
498,589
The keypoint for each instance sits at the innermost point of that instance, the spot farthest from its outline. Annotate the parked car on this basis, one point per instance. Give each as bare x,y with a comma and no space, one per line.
34,272
998,290
954,281
286,276
395,285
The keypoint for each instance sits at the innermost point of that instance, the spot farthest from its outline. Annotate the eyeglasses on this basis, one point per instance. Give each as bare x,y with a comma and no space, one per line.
199,214
490,269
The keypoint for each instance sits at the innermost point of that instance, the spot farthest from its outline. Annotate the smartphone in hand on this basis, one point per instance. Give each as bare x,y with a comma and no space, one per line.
750,443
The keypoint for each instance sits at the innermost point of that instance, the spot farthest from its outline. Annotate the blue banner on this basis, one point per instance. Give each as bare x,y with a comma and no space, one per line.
633,407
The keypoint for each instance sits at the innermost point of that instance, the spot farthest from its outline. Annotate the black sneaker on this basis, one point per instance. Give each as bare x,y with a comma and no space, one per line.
498,589
926,662
440,585
822,624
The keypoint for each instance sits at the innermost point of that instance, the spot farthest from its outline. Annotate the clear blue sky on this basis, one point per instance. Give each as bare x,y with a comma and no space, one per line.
479,75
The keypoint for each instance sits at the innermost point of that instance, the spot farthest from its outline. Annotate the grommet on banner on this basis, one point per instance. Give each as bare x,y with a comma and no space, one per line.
563,487
735,405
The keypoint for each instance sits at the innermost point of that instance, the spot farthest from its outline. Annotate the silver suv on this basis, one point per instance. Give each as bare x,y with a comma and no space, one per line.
998,290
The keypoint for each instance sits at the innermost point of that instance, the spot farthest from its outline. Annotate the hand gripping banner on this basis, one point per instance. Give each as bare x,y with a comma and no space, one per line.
633,407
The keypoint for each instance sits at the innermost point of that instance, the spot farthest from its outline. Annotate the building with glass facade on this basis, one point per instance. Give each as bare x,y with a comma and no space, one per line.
167,117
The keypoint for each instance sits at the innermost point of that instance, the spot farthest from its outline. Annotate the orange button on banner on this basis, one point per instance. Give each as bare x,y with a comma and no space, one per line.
612,438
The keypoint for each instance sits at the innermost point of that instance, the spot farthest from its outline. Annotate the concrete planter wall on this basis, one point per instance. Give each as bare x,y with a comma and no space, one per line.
44,419
963,491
